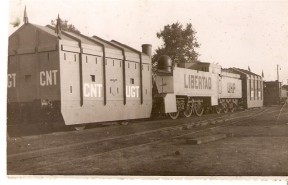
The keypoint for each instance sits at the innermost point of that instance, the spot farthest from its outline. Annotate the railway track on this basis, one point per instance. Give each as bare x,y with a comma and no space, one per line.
42,161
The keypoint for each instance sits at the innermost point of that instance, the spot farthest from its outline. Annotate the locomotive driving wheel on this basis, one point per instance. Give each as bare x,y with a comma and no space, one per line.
225,107
198,108
174,115
232,107
217,109
188,111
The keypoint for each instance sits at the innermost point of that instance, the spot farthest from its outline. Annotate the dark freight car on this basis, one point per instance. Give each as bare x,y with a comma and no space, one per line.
272,93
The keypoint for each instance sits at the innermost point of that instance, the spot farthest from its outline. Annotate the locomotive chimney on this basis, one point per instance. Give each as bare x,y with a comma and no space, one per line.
164,64
147,49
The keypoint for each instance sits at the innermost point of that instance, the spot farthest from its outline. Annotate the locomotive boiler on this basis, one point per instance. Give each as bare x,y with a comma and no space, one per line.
195,87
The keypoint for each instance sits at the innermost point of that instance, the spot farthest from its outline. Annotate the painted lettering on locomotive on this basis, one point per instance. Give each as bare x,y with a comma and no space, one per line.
231,87
197,82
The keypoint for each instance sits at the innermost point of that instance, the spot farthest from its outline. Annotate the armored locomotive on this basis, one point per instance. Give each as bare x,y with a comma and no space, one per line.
195,87
57,76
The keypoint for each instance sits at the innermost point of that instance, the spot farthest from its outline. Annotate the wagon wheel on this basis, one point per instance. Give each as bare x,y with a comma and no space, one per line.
232,107
80,127
174,115
217,109
188,112
225,107
124,123
199,109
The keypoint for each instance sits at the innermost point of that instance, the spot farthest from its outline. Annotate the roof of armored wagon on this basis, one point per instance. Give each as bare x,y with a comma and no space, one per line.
58,33
50,31
246,71
125,47
87,39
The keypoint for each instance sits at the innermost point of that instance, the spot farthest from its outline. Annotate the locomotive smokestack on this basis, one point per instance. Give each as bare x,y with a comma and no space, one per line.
147,49
164,64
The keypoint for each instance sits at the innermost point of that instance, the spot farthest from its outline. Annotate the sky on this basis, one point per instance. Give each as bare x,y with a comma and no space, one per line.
231,33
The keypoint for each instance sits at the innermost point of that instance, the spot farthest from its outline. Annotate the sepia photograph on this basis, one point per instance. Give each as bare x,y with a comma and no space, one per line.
147,88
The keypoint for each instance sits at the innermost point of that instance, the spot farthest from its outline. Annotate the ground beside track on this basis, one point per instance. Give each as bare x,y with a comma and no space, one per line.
258,147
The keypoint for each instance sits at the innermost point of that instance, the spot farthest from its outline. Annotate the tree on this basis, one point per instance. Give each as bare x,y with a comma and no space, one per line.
179,43
65,26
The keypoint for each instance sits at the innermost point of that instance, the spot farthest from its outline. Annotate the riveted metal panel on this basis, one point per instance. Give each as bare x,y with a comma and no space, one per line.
170,103
132,81
33,64
45,39
48,76
69,75
147,82
27,37
252,95
70,48
189,82
12,79
47,48
93,108
165,84
93,51
114,79
231,87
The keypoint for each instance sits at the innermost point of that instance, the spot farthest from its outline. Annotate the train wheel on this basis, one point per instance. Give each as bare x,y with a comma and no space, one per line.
199,109
188,112
124,123
217,109
174,115
225,107
232,107
79,128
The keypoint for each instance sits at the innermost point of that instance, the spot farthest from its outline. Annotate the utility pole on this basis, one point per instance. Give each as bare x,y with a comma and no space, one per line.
277,73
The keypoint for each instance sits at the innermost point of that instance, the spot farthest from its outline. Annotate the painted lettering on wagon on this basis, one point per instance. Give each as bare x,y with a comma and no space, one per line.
132,91
11,80
48,77
197,82
92,90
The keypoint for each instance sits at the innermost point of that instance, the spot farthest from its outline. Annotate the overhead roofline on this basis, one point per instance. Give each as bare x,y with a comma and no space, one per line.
246,72
107,42
125,46
21,27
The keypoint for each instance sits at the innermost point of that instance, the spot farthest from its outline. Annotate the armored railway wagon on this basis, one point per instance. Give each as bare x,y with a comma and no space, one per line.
56,75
